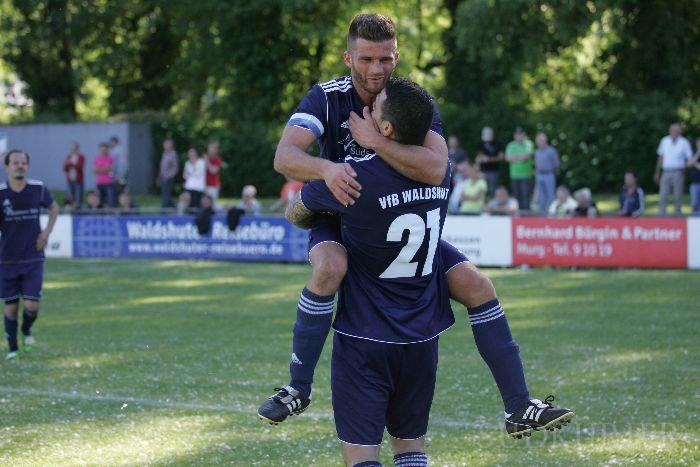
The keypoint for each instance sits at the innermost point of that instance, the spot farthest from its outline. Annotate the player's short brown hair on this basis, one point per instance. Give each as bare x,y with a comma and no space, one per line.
372,27
12,151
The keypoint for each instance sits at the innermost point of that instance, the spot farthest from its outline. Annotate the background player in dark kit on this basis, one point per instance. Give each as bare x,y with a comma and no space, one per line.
22,247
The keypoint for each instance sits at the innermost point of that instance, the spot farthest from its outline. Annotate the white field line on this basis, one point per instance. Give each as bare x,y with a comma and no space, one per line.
236,408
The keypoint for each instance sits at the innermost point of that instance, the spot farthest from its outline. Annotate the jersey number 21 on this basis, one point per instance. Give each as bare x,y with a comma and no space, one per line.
403,266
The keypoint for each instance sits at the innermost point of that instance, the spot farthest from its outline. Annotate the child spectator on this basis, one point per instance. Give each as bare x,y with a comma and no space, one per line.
93,200
183,203
631,197
126,204
214,165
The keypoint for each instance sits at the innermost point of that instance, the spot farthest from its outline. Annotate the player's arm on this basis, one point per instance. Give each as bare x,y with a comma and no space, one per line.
293,160
298,214
43,238
426,164
314,198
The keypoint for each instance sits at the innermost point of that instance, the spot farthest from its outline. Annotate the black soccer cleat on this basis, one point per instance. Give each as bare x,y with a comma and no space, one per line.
284,403
535,416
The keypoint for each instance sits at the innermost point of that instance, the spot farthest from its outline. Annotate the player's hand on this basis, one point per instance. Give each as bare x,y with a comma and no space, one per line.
340,179
364,130
42,240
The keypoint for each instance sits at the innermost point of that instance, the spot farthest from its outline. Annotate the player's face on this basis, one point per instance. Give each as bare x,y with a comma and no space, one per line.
371,64
18,166
384,126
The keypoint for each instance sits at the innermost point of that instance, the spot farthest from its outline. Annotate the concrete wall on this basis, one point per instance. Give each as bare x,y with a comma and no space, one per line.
48,144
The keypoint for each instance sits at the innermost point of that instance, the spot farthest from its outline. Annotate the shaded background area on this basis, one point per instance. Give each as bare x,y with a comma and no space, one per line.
604,78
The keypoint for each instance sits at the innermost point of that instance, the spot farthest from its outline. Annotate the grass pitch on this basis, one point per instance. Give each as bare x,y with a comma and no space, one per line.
164,362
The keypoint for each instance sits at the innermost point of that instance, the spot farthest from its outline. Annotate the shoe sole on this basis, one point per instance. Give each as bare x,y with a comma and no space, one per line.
557,423
273,422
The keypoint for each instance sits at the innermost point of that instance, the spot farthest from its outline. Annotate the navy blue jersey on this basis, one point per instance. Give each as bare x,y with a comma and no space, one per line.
19,221
395,290
325,111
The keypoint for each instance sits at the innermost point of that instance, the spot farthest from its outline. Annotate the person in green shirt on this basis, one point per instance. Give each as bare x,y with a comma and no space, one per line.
474,190
519,156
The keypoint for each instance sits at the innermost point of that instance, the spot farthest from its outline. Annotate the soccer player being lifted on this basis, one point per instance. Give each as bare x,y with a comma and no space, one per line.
336,114
22,247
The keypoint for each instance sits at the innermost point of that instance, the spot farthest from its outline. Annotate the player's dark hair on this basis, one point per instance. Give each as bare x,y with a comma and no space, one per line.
409,108
372,27
12,151
631,172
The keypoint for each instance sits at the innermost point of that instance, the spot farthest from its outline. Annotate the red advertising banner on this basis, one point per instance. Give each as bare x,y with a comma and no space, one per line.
611,242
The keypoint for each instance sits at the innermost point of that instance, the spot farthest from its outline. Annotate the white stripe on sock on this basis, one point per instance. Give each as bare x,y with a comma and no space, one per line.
496,314
313,302
315,312
477,315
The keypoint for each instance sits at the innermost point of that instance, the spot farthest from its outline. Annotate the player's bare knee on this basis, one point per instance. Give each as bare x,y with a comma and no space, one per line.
11,307
31,305
400,446
469,286
330,265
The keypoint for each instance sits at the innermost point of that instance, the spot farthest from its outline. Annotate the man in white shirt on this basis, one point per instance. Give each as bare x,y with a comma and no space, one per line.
674,151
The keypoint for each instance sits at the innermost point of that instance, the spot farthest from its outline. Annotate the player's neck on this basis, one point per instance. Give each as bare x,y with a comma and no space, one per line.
365,97
17,184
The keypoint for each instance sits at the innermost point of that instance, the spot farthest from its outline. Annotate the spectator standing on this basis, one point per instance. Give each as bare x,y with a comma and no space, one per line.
631,197
502,204
249,203
563,205
289,191
167,173
455,151
546,167
102,166
694,164
673,151
121,165
195,173
519,155
214,164
473,194
73,168
585,206
490,158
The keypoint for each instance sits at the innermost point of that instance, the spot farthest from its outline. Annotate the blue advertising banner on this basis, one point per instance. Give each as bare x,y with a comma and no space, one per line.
255,238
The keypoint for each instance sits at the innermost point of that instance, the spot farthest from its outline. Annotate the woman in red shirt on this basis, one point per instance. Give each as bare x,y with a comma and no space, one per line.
73,168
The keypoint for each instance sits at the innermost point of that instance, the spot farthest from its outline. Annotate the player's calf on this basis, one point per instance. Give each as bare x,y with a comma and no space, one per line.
537,415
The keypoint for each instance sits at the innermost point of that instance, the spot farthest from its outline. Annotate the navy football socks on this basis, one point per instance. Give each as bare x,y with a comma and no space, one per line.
411,459
28,318
368,464
500,352
314,316
11,332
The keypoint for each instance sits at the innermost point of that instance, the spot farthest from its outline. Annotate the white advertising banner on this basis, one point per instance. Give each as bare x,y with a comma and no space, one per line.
485,240
61,239
694,242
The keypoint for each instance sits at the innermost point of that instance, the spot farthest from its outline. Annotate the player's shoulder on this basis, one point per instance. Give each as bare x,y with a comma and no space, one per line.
33,182
3,186
341,85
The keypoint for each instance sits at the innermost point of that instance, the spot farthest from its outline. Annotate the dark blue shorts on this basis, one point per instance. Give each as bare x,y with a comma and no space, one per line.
21,280
377,385
326,228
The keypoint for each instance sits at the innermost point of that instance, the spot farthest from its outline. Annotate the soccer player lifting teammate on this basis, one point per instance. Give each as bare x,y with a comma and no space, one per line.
336,114
22,247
